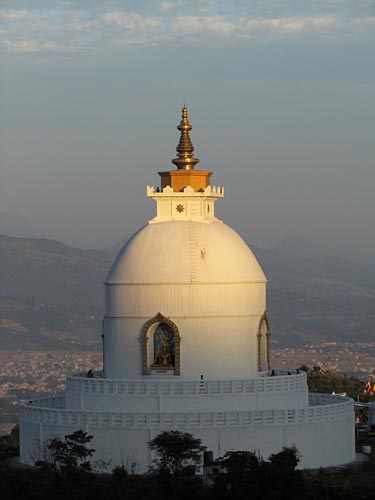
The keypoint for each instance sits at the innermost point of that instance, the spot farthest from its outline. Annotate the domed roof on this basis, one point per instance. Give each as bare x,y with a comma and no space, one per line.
184,252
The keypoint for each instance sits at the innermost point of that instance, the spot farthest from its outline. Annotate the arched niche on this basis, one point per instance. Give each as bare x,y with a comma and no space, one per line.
160,340
263,336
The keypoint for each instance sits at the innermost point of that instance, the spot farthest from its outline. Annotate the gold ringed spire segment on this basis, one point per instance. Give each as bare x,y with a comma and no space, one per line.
185,149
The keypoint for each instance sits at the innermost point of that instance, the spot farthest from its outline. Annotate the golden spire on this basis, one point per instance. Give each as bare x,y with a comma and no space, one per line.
185,159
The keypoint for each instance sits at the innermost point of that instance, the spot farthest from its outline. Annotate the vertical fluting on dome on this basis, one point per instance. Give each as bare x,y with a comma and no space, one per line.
185,159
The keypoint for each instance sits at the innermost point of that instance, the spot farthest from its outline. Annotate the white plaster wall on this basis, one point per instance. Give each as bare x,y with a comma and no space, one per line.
324,444
172,403
185,299
30,442
197,209
122,347
321,444
218,324
215,347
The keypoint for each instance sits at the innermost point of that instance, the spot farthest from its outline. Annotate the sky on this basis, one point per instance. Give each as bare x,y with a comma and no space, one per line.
280,94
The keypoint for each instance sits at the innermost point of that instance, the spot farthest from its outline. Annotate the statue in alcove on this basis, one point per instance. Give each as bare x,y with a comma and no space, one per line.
164,346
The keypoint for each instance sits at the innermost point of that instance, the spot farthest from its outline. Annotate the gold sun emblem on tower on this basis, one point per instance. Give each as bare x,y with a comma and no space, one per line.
180,208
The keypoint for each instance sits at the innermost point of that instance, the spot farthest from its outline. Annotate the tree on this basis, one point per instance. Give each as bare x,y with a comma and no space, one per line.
325,381
9,444
282,473
286,460
176,452
69,454
241,476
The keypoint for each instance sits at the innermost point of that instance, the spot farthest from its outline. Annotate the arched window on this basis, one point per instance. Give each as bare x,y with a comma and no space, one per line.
263,343
160,346
164,347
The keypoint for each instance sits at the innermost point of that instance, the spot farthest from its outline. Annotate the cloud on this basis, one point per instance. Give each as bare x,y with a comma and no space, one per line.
21,46
230,22
199,25
166,6
15,15
285,26
123,28
132,21
271,28
47,30
27,46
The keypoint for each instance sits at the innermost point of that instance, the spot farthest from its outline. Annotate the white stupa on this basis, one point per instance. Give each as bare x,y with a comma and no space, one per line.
186,347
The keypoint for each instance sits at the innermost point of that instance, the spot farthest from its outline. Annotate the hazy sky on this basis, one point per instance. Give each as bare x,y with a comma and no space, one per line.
280,94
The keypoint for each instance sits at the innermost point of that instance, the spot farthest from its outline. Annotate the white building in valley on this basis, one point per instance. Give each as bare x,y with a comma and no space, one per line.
186,347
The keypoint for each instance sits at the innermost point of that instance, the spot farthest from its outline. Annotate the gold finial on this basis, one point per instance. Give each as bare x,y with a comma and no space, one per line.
185,159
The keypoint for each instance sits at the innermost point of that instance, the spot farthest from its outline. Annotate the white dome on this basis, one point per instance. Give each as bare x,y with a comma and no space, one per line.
182,252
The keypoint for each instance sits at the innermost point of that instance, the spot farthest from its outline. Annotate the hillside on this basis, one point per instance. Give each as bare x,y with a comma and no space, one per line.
52,296
318,299
51,271
330,277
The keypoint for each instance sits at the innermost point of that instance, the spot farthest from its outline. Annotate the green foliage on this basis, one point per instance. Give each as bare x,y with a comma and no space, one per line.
286,460
325,381
177,453
9,444
69,454
120,473
102,465
238,465
236,479
255,480
244,475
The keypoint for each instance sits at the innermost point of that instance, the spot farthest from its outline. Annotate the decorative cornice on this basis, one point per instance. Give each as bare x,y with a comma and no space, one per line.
211,191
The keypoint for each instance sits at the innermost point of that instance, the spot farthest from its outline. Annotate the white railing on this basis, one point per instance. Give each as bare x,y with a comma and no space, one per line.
318,399
324,408
288,383
55,402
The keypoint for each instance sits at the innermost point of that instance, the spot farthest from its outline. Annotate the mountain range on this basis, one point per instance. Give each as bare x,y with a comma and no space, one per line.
52,296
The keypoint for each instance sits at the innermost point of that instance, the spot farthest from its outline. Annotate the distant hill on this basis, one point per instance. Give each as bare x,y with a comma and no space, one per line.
299,245
51,271
318,299
52,296
331,277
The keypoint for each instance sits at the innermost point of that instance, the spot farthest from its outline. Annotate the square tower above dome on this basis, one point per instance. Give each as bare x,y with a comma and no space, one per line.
187,205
